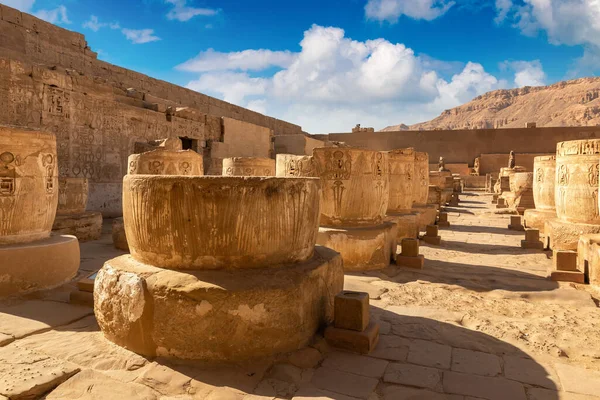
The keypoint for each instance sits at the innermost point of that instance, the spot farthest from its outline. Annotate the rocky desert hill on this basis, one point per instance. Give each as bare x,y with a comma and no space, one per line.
568,103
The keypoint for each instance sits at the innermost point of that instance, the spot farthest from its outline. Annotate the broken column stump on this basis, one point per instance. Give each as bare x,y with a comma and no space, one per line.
410,256
352,329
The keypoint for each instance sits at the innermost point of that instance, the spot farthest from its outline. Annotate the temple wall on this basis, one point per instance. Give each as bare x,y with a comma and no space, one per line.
299,145
462,146
51,80
491,163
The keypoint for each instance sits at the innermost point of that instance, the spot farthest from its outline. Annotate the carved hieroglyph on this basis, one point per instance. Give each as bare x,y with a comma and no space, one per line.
28,185
402,173
180,222
166,162
293,166
355,186
248,166
72,195
576,185
421,181
543,182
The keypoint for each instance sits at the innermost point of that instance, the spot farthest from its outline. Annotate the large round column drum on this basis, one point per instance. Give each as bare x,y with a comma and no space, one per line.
576,190
543,182
72,195
421,180
402,171
166,162
355,186
180,222
28,185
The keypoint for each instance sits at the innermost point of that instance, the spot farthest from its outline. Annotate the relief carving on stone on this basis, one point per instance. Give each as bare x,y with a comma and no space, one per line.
7,173
48,162
578,147
563,175
593,175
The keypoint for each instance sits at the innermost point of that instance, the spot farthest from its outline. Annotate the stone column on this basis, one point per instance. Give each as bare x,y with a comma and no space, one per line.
71,216
576,193
31,257
217,260
354,201
427,212
399,210
544,168
520,196
248,166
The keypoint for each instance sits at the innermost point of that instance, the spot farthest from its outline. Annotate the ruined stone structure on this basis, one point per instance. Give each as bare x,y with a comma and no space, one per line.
166,162
543,193
198,283
51,80
443,187
248,166
399,210
520,196
427,212
71,216
576,193
354,201
31,258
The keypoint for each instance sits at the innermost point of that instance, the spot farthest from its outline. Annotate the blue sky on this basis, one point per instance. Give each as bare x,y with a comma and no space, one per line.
330,64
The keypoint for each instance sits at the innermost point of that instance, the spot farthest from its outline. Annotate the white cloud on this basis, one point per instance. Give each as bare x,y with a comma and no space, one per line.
139,36
335,82
247,60
503,7
94,24
21,5
391,10
527,73
57,15
181,12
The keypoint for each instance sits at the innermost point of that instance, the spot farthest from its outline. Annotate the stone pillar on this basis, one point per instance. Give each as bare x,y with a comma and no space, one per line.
217,260
354,200
445,182
544,168
399,210
248,166
520,196
427,212
31,257
71,216
576,193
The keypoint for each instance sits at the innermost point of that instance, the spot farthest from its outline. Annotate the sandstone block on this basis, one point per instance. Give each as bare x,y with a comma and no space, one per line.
402,163
351,310
118,234
407,223
421,178
427,214
248,166
536,219
532,240
166,162
416,262
413,375
567,276
410,247
85,226
210,314
359,342
443,220
364,247
516,223
22,263
501,203
564,235
564,260
432,231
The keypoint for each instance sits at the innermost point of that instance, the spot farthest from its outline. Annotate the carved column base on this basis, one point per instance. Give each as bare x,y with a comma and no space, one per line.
85,226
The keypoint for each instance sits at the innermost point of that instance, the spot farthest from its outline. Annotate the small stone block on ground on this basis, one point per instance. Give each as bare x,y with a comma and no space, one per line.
532,245
443,220
516,223
410,247
351,310
568,276
359,342
434,240
532,240
501,203
564,260
411,262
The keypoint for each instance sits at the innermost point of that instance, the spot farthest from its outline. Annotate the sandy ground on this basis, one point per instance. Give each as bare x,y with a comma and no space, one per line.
480,321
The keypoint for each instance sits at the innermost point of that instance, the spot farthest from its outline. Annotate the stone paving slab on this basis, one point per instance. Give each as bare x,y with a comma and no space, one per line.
344,382
578,380
33,316
26,374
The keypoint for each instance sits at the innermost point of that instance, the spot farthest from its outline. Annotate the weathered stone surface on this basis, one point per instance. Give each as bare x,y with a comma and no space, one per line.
543,184
475,362
119,236
84,226
28,184
429,354
147,309
564,235
166,162
344,382
413,375
93,385
288,206
42,264
25,374
72,195
407,222
536,219
529,371
426,214
362,248
351,310
483,387
248,166
296,166
356,364
358,342
402,171
578,380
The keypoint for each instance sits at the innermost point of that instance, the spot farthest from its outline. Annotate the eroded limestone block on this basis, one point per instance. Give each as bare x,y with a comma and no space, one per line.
522,186
28,185
537,218
172,144
46,263
355,186
248,166
363,247
84,226
118,234
564,235
166,162
408,224
72,195
211,315
220,222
